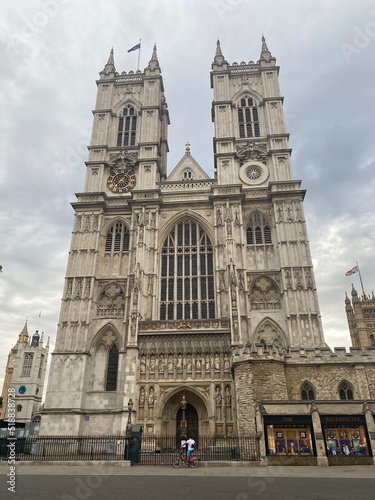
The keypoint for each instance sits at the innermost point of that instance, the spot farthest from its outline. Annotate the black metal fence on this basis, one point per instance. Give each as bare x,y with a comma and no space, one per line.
153,450
160,450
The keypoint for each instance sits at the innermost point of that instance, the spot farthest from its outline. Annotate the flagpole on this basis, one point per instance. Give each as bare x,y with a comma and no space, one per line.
360,277
139,53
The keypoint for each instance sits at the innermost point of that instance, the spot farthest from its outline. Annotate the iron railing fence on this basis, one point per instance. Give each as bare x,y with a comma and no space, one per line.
160,450
151,450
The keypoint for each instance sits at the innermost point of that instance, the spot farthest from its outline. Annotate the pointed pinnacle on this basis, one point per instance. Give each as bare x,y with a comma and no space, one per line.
218,49
264,45
111,59
154,56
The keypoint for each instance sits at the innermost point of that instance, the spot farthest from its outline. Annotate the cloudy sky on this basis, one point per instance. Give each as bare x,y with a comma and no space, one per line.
51,52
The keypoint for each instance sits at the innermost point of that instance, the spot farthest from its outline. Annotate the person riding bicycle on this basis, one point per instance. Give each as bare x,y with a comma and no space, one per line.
183,446
190,448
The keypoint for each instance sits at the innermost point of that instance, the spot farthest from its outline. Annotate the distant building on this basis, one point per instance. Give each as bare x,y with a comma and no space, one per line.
360,313
181,287
24,377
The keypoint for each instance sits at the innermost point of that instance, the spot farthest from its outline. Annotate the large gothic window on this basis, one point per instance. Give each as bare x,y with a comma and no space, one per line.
127,127
112,368
187,274
248,120
258,231
117,239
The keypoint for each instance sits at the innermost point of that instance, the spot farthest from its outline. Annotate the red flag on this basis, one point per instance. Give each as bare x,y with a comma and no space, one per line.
352,271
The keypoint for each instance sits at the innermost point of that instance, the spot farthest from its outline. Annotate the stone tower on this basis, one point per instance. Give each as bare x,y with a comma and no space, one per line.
360,313
23,341
25,375
173,281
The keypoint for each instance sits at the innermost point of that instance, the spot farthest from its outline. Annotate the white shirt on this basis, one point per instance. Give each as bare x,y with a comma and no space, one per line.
191,443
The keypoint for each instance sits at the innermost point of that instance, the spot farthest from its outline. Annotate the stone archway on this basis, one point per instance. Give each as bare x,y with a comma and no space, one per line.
192,422
196,414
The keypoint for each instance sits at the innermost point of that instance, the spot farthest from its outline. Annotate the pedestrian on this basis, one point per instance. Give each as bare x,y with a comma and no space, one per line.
191,445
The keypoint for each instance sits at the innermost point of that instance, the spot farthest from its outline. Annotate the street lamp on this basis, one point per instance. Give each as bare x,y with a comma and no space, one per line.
183,408
129,427
130,409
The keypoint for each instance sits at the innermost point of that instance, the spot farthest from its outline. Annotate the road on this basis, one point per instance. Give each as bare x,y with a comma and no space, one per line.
161,483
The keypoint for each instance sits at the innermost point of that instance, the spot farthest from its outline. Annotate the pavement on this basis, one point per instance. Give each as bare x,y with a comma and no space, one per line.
230,469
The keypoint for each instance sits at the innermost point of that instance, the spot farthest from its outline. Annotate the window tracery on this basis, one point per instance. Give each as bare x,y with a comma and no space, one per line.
127,127
258,231
248,119
187,274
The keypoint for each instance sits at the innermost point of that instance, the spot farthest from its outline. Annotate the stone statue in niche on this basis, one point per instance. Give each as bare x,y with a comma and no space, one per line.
218,401
226,363
199,363
219,219
151,397
208,364
217,363
170,363
143,363
161,363
179,363
152,363
222,286
228,396
142,397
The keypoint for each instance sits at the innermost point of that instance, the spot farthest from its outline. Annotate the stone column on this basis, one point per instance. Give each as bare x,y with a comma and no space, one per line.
322,459
259,424
370,425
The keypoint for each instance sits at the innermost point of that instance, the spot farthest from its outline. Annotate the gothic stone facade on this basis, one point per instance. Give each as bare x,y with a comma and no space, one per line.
185,285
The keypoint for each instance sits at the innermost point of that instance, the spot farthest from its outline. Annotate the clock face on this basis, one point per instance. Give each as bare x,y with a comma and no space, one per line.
121,181
22,389
13,361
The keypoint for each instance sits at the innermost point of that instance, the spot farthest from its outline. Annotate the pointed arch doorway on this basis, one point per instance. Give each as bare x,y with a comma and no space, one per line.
191,418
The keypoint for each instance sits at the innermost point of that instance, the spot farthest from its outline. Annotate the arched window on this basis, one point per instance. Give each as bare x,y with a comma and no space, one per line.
372,340
187,175
248,120
127,127
307,392
19,407
27,364
187,274
117,239
345,390
112,368
258,232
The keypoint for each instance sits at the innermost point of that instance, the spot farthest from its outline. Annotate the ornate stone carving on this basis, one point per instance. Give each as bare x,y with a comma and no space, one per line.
111,301
252,151
265,294
123,160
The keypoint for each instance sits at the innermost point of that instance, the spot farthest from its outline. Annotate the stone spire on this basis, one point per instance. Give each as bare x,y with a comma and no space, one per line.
219,58
348,305
109,68
354,294
265,54
23,337
154,62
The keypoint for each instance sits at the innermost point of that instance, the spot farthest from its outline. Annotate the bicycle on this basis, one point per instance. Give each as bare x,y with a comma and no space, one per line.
192,461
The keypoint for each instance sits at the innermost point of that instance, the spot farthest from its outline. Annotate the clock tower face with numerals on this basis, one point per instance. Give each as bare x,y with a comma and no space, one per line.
121,181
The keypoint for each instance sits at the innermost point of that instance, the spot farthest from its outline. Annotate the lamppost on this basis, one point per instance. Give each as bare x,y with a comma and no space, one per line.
183,424
129,427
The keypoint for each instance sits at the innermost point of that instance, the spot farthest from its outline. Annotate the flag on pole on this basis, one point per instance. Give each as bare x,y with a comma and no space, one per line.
352,271
136,47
